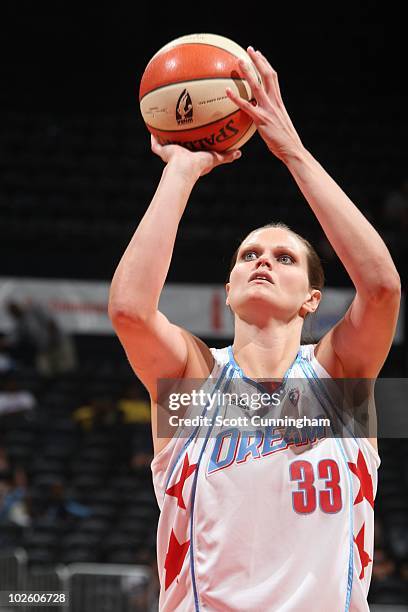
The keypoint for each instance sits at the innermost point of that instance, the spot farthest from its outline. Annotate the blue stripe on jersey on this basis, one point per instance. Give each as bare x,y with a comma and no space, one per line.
351,549
307,366
193,435
193,491
314,374
253,382
233,363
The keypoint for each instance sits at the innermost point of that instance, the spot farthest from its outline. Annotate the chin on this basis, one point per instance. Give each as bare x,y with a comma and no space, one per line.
256,304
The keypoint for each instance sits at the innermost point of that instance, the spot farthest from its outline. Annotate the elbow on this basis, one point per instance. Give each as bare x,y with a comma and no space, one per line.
117,314
129,306
121,316
392,284
387,288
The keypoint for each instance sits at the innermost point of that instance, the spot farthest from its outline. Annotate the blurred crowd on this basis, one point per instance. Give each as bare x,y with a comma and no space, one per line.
54,458
36,340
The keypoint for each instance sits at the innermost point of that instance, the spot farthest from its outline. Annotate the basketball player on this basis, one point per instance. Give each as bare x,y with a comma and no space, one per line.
261,522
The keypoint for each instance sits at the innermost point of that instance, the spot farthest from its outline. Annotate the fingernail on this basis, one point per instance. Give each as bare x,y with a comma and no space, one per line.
251,48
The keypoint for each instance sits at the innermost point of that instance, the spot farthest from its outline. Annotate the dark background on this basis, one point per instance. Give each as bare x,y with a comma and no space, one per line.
77,169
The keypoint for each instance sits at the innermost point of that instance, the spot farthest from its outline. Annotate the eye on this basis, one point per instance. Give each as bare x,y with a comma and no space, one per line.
286,259
246,255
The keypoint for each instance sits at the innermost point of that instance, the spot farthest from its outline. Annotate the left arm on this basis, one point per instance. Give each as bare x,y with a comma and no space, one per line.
368,327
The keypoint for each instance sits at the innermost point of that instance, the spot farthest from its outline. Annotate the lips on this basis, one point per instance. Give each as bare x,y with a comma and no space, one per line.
261,276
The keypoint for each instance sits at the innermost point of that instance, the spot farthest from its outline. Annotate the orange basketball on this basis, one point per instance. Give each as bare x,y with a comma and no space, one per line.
182,93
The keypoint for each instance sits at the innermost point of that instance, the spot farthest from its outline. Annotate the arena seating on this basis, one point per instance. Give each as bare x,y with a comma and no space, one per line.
111,511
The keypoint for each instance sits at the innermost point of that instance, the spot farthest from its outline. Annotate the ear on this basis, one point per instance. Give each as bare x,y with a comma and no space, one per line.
312,302
227,288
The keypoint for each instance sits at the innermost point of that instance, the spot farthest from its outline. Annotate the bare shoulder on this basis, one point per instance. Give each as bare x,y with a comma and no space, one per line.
326,356
200,363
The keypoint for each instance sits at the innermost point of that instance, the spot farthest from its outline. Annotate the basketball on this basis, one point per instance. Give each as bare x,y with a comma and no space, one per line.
182,93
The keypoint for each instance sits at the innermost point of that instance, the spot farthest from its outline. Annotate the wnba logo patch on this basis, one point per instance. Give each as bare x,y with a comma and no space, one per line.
184,108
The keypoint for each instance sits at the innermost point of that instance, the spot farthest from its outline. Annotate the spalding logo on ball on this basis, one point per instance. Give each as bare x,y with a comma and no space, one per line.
182,93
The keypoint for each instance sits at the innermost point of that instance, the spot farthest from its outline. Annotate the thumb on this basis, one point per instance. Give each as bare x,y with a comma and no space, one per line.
228,156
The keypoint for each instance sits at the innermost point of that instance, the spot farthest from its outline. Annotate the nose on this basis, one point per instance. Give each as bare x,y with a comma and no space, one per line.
263,261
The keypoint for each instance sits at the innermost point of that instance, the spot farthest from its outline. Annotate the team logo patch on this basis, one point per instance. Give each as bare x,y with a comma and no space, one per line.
184,108
294,396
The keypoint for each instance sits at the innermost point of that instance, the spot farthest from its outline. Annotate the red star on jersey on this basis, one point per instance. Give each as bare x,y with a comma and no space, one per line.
366,484
173,563
364,557
177,489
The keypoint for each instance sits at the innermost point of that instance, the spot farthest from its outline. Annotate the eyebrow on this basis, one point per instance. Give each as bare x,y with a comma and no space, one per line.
283,247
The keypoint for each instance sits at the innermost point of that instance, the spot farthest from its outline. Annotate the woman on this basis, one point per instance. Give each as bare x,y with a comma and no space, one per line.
258,527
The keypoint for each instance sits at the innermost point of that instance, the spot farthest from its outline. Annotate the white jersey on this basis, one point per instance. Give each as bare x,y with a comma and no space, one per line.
263,523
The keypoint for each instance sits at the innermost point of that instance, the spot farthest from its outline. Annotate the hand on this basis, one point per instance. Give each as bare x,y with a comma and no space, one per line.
269,114
196,162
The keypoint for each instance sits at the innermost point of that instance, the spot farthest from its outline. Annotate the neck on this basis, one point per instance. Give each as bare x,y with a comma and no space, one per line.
266,352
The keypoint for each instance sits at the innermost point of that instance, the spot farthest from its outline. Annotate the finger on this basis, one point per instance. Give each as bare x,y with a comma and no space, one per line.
269,70
226,157
256,60
229,156
268,74
257,90
271,81
156,146
247,107
274,82
263,59
153,142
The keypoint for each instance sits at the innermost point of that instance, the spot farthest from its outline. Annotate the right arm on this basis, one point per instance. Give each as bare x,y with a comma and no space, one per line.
154,346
